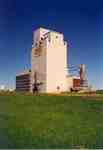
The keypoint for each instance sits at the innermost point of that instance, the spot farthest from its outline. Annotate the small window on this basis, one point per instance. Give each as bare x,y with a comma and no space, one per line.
58,88
36,44
42,38
56,37
64,43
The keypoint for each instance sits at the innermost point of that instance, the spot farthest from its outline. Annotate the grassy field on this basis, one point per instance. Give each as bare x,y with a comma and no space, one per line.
28,121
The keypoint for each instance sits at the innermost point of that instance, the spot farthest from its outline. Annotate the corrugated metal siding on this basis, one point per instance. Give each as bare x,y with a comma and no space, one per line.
23,82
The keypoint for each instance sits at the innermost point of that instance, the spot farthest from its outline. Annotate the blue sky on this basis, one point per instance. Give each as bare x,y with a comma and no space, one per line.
80,21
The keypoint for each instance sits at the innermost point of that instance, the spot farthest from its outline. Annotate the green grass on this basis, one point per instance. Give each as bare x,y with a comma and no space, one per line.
28,121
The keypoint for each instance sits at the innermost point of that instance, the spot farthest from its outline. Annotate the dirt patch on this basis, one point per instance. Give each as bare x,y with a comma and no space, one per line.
98,98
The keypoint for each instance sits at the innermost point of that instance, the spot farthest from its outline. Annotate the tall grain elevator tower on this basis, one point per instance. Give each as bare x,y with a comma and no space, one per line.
49,61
